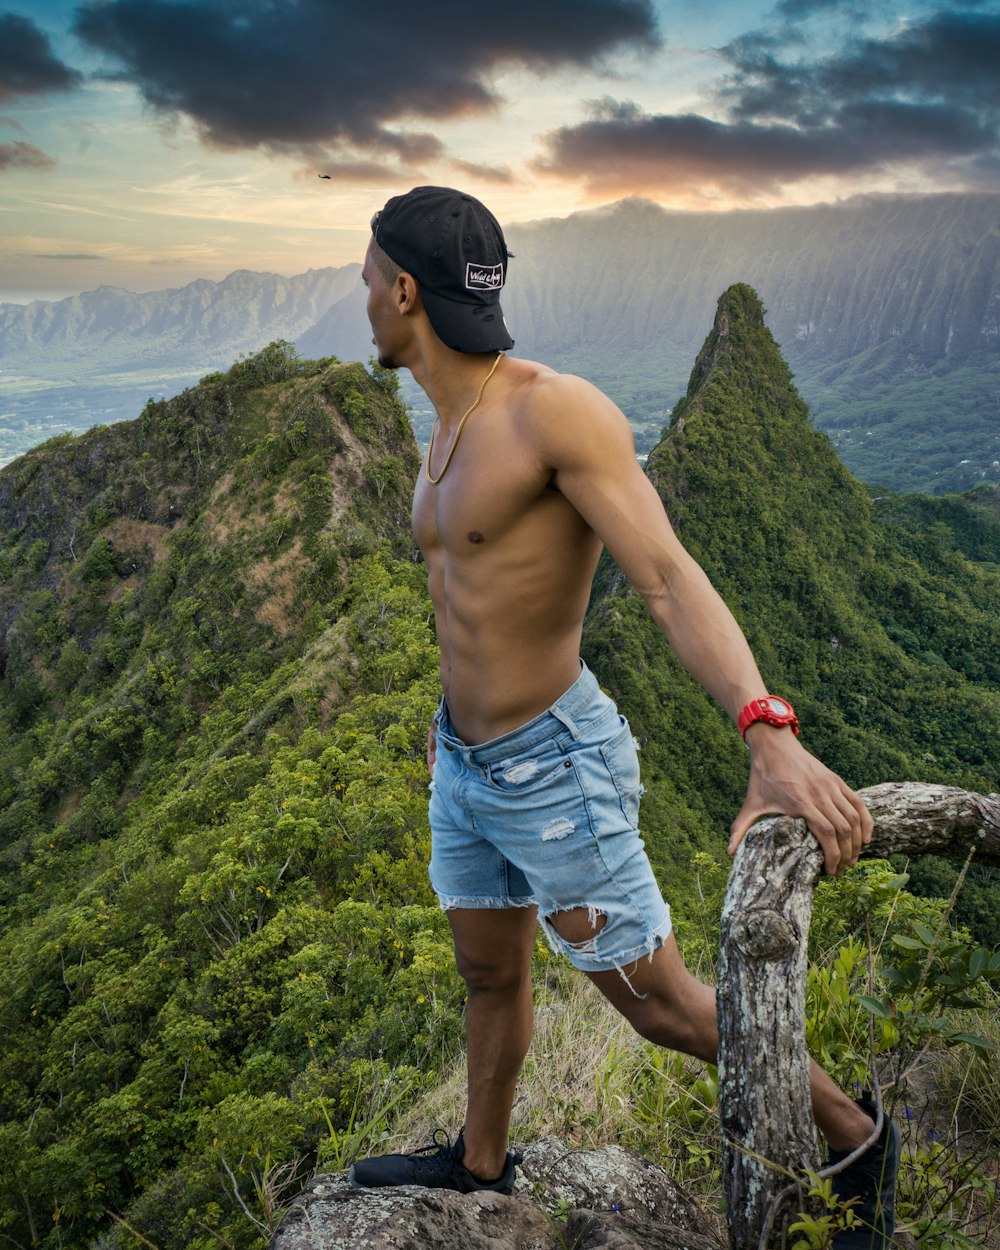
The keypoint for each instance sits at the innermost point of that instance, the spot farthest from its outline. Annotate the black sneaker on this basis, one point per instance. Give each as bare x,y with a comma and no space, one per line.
437,1166
871,1181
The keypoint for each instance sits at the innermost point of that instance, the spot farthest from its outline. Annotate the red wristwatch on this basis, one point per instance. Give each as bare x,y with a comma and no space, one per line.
777,712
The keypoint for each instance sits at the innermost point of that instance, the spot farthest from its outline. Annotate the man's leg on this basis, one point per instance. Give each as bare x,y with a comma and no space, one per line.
678,1011
493,949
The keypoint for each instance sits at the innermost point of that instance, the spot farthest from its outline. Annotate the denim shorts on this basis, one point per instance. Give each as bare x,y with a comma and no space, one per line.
548,814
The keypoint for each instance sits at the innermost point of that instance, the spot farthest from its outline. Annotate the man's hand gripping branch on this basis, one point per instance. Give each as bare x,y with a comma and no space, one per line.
786,780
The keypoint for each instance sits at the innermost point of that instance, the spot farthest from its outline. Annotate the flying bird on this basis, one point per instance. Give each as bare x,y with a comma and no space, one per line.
324,175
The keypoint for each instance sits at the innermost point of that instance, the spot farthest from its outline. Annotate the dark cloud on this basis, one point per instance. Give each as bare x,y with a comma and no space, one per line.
24,156
951,57
621,149
27,64
339,75
67,256
926,97
487,173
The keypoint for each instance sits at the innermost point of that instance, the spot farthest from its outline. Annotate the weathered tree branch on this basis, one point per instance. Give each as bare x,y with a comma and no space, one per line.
764,1098
763,1064
916,819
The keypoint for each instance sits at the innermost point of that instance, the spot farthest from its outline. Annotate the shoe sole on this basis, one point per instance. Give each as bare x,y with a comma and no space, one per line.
356,1184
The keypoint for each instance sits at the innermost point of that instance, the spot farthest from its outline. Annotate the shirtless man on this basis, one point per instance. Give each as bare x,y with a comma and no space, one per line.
535,784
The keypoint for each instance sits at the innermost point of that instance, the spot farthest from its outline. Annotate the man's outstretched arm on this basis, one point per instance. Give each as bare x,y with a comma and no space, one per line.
587,443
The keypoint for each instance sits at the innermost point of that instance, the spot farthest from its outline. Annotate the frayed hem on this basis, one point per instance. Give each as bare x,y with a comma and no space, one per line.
450,902
591,961
625,977
654,940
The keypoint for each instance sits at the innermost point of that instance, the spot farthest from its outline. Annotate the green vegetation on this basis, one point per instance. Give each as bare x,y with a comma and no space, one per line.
894,419
224,963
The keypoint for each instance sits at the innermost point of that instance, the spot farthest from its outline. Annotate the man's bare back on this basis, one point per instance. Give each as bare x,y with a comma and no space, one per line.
510,563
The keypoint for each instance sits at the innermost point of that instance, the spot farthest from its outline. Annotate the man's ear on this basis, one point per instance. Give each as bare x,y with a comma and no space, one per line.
406,293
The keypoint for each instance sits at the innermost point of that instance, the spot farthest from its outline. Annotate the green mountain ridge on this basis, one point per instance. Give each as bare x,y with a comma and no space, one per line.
273,472
218,666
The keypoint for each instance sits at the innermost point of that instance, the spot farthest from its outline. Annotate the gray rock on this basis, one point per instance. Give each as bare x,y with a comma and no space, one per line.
330,1214
607,1199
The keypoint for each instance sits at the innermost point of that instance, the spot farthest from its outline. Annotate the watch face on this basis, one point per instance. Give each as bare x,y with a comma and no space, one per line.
777,707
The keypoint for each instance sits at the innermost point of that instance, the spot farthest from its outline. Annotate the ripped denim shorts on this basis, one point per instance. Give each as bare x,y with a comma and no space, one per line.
548,814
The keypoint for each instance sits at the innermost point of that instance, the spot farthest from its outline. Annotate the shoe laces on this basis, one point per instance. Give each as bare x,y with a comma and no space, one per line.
438,1157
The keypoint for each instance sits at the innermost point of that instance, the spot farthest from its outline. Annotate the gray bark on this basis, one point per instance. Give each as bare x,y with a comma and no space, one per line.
767,1122
916,819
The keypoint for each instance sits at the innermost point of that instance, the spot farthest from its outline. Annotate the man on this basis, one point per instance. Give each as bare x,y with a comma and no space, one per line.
535,782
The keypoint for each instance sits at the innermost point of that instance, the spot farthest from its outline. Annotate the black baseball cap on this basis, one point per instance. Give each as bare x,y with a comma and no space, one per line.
454,247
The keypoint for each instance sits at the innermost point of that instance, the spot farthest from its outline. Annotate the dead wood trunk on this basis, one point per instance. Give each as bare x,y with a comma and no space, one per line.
767,1122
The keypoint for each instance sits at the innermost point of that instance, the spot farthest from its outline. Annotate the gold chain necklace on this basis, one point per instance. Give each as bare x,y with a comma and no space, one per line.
458,433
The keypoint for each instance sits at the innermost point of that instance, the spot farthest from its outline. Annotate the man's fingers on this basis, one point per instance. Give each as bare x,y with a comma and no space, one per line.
837,818
828,836
864,815
822,829
858,821
848,826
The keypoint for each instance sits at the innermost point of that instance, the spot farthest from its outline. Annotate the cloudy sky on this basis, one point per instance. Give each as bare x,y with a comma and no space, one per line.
145,143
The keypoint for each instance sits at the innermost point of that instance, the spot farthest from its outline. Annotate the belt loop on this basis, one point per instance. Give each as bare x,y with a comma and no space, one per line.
565,719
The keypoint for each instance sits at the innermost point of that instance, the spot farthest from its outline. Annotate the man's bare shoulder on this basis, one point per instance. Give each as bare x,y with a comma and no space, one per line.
562,413
541,385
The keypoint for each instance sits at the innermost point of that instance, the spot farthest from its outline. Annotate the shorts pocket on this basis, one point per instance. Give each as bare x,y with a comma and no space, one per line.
529,771
622,762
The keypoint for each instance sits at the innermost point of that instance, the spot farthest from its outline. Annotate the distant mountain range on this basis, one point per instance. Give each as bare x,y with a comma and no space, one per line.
110,326
887,308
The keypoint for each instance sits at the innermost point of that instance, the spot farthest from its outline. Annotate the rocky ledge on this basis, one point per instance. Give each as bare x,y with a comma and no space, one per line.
607,1199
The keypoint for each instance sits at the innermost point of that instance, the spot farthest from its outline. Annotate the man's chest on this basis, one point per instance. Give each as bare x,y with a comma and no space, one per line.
485,496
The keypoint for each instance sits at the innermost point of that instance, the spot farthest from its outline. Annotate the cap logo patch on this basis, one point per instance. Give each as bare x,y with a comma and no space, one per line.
483,277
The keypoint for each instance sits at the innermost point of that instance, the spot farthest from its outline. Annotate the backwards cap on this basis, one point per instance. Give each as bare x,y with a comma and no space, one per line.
454,247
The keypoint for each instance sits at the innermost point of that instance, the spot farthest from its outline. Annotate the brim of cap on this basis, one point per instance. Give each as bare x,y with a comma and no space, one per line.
467,327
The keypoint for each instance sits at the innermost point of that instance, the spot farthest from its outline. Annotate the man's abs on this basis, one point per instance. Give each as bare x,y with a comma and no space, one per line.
488,696
510,564
509,616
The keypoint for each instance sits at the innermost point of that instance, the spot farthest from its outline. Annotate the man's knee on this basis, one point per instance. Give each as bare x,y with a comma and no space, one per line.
487,973
659,1020
493,948
663,1002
